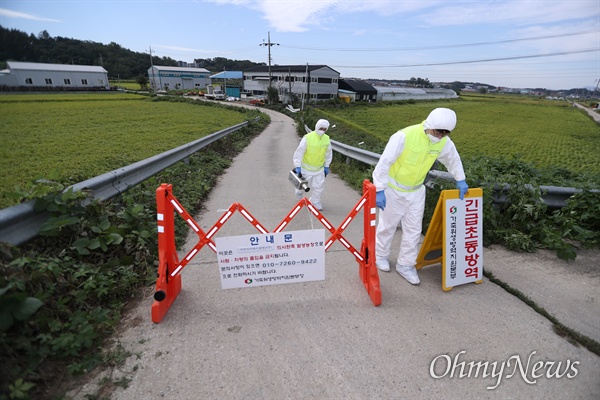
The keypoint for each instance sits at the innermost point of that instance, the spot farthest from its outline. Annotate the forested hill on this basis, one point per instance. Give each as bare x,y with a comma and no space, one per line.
120,62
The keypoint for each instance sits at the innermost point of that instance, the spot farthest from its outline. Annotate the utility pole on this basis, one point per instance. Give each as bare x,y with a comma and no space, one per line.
305,89
153,83
290,85
269,44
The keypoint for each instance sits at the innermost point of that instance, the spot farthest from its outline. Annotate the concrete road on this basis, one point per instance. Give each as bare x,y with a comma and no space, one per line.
592,113
326,340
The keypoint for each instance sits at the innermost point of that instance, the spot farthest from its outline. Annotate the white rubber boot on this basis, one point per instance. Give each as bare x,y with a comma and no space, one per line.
382,264
408,272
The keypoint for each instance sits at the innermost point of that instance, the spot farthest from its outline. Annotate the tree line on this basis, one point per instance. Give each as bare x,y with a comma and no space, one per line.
119,62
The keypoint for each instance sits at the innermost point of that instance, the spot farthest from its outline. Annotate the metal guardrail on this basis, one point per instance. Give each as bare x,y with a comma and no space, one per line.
20,223
552,196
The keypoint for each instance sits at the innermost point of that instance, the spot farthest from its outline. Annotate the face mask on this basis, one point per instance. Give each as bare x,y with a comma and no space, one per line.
433,139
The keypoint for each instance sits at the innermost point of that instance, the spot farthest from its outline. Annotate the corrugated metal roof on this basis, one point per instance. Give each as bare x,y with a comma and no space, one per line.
228,75
287,68
358,85
181,69
405,90
54,67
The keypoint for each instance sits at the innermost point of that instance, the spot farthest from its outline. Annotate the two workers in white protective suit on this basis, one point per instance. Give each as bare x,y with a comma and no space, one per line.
398,178
312,159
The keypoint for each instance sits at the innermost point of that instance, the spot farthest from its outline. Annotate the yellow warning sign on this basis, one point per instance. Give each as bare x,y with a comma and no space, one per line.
455,238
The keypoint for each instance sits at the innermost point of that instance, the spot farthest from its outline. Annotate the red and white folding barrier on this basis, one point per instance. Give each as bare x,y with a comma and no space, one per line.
168,284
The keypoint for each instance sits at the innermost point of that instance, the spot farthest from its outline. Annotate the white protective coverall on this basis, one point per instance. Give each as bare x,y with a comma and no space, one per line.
407,207
314,177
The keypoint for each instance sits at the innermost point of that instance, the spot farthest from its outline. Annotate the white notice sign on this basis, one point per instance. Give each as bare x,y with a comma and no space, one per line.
271,258
463,255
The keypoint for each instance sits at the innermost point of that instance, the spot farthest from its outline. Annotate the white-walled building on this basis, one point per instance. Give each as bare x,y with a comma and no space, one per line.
173,78
310,82
40,76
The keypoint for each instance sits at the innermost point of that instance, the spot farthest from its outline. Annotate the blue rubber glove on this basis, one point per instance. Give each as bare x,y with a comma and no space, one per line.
298,171
326,169
380,199
463,188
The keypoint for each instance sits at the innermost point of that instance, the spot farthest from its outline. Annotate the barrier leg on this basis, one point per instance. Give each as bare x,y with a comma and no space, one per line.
367,270
167,287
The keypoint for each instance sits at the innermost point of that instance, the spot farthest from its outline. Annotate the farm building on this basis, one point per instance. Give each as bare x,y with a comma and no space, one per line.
28,76
364,91
391,93
347,96
172,78
309,82
232,81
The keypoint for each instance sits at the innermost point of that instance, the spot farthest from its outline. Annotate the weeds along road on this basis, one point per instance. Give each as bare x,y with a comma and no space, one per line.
326,340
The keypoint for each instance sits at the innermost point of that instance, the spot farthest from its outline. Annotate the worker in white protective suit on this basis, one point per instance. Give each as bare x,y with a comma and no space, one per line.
312,159
398,178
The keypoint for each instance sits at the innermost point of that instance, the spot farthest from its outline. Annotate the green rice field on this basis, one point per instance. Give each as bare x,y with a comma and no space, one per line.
80,136
125,84
545,133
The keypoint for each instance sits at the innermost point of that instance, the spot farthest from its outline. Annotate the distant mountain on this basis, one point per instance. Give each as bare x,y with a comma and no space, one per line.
118,61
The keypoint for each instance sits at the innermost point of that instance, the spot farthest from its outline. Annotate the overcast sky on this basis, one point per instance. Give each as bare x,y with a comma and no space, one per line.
509,43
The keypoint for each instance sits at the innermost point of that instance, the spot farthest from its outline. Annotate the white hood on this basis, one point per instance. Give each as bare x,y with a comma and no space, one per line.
322,123
441,118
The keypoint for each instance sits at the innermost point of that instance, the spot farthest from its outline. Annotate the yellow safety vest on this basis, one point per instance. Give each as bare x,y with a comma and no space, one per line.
316,148
408,173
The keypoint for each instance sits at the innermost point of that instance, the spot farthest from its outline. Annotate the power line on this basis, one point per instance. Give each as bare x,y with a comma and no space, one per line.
468,61
443,46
